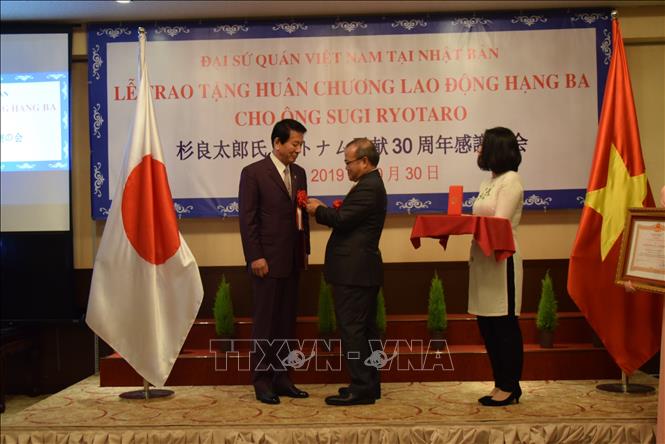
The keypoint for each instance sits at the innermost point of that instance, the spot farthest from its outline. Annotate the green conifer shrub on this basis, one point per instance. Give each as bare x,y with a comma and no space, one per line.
223,310
326,311
547,315
437,318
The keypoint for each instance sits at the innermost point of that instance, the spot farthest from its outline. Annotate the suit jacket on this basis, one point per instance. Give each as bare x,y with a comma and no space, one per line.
268,225
352,253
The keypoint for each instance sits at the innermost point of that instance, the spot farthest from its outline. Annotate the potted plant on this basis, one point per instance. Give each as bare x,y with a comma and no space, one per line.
437,319
381,314
546,319
223,314
326,314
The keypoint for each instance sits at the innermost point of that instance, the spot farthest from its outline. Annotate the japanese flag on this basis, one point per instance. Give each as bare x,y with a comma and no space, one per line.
146,288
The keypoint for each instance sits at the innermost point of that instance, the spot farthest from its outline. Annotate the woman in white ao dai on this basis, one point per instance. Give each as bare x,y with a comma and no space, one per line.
495,287
499,196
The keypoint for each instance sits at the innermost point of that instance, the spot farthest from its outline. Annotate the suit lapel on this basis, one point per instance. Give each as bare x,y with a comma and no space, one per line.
295,182
276,176
355,185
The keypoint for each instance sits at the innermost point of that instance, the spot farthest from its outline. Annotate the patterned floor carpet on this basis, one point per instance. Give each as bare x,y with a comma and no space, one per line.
571,410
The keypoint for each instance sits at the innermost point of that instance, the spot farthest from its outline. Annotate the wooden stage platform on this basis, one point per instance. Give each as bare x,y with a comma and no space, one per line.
200,363
571,411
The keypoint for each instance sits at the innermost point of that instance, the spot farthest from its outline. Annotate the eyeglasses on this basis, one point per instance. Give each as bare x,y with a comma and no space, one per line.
347,162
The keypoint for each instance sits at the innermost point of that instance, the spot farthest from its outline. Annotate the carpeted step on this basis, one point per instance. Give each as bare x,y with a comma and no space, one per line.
405,361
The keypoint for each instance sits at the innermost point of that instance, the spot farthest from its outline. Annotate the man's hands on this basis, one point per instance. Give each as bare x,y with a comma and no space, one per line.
313,204
260,267
628,286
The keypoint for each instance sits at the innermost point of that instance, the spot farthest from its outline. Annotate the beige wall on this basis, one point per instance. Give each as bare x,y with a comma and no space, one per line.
542,235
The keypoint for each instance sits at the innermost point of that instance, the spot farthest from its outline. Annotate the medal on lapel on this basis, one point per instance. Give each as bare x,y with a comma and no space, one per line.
301,203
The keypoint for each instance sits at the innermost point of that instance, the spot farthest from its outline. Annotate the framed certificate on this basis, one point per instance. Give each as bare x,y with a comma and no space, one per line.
642,257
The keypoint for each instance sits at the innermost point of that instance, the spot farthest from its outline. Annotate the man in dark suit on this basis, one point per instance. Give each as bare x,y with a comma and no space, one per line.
354,268
275,240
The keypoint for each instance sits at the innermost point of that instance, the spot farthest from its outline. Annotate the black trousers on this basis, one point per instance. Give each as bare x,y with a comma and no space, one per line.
274,309
503,340
355,309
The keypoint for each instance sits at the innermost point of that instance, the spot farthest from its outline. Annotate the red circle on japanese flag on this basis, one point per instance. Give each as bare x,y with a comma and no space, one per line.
147,212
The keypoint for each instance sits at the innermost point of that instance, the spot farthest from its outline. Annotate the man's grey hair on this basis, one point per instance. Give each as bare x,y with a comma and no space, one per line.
365,148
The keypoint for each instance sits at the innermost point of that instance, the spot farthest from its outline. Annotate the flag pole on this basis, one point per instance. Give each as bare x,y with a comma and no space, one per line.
146,393
624,386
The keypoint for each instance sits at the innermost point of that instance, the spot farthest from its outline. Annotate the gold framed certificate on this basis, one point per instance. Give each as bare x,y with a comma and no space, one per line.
642,257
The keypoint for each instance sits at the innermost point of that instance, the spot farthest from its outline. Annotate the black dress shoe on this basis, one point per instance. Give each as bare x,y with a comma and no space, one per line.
293,392
349,399
267,398
514,396
484,399
343,391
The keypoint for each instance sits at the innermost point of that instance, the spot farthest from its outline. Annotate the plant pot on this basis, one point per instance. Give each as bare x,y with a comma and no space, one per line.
546,338
325,343
437,340
225,344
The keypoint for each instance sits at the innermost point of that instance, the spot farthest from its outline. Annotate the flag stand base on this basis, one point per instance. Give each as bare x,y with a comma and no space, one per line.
625,387
146,393
142,394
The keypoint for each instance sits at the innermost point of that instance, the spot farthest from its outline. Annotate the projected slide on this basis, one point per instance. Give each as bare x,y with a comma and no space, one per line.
34,130
34,121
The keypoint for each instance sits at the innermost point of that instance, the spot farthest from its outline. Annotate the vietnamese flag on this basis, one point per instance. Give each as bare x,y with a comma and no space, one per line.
629,324
146,288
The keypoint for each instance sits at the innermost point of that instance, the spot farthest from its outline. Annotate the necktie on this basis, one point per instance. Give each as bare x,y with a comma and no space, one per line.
287,181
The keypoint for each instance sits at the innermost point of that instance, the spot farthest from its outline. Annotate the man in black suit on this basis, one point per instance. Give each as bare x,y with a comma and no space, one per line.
354,268
275,241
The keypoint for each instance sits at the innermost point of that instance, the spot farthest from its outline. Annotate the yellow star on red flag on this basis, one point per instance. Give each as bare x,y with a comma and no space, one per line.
621,192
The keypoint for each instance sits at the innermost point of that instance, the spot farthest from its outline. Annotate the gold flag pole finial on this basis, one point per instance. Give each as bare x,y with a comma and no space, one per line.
614,14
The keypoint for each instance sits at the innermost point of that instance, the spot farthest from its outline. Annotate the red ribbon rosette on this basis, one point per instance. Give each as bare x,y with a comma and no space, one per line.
301,197
337,203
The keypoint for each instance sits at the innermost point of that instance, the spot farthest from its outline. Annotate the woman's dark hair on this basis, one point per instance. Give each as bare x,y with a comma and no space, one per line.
282,130
500,152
